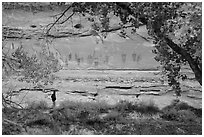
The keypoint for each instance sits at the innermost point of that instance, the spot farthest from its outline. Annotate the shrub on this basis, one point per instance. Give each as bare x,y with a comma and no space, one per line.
85,112
112,116
78,130
182,106
179,115
175,104
36,69
185,106
197,112
187,116
86,106
181,111
148,108
170,114
9,129
40,121
42,105
142,107
124,106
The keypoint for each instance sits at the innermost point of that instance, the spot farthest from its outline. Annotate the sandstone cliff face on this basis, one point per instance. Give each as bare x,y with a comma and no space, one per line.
112,52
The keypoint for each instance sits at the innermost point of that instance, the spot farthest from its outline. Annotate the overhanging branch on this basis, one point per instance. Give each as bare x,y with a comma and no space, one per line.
187,56
59,18
20,33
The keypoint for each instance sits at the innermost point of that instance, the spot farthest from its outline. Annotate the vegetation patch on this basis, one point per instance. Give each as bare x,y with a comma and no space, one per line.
73,118
181,111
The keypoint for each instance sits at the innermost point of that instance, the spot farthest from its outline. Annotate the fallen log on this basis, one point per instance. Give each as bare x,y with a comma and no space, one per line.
153,93
31,89
120,87
149,90
194,97
36,89
137,94
77,91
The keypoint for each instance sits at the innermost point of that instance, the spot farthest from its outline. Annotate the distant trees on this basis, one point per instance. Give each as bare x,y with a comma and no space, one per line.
66,61
139,58
134,56
90,59
96,63
123,58
70,56
78,61
107,59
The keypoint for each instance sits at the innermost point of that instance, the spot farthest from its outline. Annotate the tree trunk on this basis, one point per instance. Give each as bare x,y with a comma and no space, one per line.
196,68
193,64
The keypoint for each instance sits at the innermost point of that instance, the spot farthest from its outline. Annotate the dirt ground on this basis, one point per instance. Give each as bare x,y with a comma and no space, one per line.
110,86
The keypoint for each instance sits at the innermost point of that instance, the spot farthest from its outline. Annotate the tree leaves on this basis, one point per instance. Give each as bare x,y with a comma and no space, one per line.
179,23
35,69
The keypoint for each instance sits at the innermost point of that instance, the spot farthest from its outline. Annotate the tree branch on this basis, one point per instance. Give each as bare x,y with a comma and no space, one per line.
9,102
28,34
187,56
59,18
11,122
67,18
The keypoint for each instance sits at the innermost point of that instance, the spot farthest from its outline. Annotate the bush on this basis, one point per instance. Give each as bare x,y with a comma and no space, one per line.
180,111
142,107
85,112
148,108
182,106
179,115
9,129
112,116
78,130
185,106
178,105
86,106
42,105
36,69
187,116
124,106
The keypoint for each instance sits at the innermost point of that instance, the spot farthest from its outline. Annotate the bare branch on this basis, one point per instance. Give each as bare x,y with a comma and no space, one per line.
67,18
28,34
23,97
59,18
11,122
9,102
14,123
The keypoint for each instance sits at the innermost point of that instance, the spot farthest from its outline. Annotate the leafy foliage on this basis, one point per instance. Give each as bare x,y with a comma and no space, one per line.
181,111
175,28
36,69
185,32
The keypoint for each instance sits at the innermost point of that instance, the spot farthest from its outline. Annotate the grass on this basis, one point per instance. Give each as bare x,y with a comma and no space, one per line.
87,118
